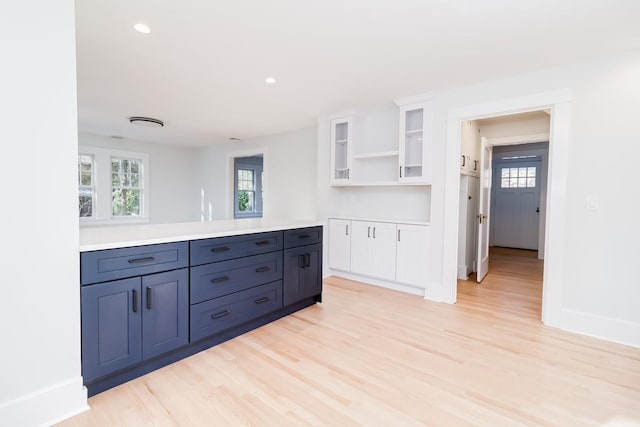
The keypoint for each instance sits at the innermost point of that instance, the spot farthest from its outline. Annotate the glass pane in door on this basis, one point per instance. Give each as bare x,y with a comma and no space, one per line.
341,142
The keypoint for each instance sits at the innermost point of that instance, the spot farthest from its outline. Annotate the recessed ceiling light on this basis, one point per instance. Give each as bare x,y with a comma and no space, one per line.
270,80
142,28
146,122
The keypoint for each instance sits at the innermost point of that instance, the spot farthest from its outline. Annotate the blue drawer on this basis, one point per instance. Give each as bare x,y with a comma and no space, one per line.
226,277
219,314
111,264
302,237
224,248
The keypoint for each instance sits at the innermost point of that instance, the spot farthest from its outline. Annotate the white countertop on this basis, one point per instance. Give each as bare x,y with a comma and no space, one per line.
119,236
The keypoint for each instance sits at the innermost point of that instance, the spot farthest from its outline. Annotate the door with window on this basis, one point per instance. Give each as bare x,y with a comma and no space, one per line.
247,186
516,204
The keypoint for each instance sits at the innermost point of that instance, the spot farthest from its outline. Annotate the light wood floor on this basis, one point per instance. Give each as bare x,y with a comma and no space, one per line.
375,357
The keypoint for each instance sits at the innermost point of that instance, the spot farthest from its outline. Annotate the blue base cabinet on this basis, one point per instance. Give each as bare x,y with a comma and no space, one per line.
148,306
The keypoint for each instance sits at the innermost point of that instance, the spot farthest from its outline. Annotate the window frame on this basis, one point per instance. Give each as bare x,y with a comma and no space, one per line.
103,212
258,194
91,187
139,188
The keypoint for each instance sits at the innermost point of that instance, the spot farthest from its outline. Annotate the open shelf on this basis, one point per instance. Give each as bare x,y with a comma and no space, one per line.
377,155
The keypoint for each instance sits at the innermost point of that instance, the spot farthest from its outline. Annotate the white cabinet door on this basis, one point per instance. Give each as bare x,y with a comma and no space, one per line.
373,249
360,236
341,150
383,250
340,244
415,142
412,254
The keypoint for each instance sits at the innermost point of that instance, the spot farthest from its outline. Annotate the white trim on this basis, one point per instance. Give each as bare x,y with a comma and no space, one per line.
520,139
559,102
414,99
377,282
607,328
46,406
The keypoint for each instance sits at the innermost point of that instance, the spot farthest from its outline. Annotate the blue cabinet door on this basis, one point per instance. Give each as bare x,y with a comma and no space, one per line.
165,312
111,327
302,273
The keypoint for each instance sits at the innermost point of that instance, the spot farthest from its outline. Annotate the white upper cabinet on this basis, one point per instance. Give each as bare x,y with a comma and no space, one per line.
415,143
342,130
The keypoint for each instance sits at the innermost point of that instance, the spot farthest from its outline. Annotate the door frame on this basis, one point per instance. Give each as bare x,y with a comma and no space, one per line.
559,104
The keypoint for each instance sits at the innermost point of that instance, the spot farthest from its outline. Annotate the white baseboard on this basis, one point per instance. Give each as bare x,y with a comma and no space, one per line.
378,282
463,272
606,328
46,406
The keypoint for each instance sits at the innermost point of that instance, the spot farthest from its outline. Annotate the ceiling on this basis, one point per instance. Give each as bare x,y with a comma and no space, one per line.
202,68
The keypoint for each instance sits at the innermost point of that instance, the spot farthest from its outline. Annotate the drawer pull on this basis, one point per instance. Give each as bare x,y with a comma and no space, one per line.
263,269
135,300
221,314
220,249
304,236
220,279
148,298
141,260
262,300
262,242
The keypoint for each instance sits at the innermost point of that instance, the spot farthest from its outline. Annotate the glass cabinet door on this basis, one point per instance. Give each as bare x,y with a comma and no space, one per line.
413,143
341,146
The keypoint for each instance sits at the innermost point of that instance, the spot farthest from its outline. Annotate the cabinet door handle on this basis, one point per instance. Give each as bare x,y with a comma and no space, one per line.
307,260
220,279
464,160
374,232
398,235
141,260
368,232
301,261
262,300
135,300
347,173
220,249
304,236
263,269
475,165
262,242
148,297
400,171
346,230
221,314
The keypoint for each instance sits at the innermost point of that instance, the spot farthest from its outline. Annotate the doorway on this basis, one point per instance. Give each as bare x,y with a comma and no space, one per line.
559,107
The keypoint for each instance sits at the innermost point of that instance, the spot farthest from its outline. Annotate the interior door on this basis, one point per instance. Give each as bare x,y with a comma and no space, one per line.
483,215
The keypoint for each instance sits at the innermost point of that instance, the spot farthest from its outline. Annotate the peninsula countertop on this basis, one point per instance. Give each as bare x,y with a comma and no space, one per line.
121,236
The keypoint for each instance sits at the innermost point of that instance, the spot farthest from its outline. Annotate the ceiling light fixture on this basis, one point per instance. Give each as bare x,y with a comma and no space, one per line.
142,28
270,80
233,138
146,122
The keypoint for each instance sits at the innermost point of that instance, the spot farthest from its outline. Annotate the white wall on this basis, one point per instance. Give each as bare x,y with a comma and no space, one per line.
40,306
599,296
289,175
171,176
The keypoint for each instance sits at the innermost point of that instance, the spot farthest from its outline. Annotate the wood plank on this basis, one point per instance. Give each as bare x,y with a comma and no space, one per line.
373,356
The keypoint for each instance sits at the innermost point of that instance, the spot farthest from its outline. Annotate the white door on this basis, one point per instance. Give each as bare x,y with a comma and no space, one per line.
484,207
382,256
340,244
516,204
360,236
412,254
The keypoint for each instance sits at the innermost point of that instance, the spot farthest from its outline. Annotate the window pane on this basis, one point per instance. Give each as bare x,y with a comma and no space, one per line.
531,182
85,178
531,172
115,165
135,166
513,182
246,201
522,172
85,202
135,180
514,172
522,182
504,183
505,172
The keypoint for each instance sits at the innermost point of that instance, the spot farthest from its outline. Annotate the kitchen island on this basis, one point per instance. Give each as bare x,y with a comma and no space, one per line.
153,294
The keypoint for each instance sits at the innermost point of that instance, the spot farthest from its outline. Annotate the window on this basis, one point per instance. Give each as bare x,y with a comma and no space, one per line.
126,187
524,177
113,186
86,183
248,187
